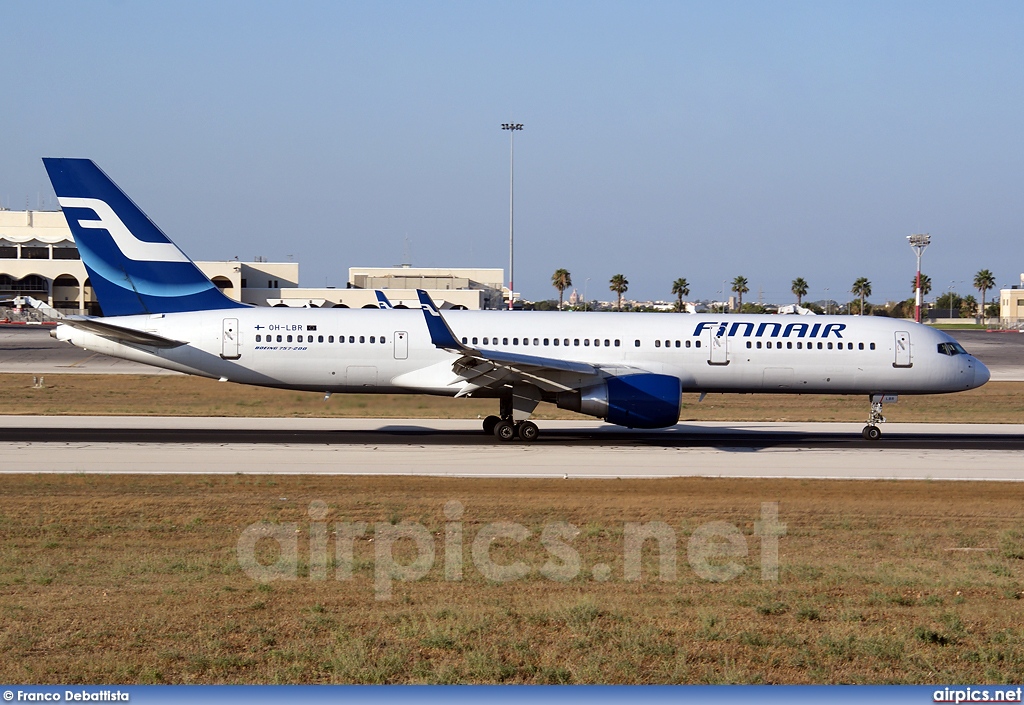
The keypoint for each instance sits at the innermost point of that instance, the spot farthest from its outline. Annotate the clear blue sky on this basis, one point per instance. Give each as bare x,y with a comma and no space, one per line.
702,140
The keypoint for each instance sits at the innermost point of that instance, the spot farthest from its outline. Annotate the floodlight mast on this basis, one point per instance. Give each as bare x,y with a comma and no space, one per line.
512,127
918,242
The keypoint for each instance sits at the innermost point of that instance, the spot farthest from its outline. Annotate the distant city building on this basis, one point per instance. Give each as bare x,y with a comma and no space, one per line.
38,258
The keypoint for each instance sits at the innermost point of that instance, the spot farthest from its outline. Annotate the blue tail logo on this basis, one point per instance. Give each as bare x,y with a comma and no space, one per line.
133,267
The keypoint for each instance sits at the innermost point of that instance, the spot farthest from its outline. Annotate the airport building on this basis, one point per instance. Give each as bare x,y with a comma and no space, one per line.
38,258
1011,305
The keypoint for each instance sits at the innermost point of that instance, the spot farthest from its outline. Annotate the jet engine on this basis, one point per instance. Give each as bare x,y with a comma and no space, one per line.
634,401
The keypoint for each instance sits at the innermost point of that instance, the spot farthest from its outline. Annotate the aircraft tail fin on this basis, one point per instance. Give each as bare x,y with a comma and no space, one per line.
133,267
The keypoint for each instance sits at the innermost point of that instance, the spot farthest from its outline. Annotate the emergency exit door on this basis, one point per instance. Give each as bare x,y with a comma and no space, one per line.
401,345
229,348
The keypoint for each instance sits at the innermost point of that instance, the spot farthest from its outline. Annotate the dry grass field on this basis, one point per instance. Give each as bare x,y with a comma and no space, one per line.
135,579
996,402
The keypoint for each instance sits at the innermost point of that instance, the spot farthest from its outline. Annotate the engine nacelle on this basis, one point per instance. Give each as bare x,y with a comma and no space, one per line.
635,401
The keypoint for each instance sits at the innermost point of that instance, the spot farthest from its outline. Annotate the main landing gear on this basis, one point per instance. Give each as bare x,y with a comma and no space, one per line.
507,430
871,432
512,420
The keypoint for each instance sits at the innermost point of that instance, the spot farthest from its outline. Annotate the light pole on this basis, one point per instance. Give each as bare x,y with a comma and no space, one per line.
512,127
585,285
918,242
951,285
828,304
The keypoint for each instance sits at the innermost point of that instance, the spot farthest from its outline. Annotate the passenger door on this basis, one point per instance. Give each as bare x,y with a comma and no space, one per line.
903,358
229,348
718,347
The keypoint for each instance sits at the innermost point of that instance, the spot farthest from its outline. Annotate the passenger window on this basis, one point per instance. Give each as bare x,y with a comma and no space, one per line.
697,344
687,343
677,343
789,344
830,346
485,340
504,341
373,339
515,341
351,339
258,337
474,340
382,340
330,339
860,346
576,342
872,346
319,339
799,345
586,342
565,342
607,343
289,339
556,342
536,341
617,342
657,343
465,341
749,345
820,346
362,339
279,339
546,341
526,341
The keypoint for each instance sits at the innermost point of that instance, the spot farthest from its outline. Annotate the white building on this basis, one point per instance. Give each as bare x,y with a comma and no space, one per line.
38,258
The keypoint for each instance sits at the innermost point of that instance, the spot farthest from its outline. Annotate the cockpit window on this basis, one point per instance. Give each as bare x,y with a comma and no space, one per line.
951,349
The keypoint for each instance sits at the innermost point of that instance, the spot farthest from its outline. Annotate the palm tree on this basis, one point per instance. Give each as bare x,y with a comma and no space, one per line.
620,285
561,280
862,288
799,289
926,285
983,281
681,288
739,285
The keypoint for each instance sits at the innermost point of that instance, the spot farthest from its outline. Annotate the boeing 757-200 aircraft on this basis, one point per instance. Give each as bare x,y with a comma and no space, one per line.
629,369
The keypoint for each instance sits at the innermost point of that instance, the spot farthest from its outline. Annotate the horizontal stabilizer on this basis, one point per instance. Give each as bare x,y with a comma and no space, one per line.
121,334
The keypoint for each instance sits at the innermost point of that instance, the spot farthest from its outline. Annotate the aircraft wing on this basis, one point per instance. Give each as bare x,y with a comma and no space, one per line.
120,333
489,369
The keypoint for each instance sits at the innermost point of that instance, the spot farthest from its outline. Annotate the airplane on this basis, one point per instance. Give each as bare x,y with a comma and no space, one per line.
629,369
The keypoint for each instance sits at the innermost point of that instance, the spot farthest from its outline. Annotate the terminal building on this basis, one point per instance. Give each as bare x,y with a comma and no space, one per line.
38,258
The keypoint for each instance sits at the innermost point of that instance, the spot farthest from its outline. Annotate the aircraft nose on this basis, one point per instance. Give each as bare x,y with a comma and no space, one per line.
981,373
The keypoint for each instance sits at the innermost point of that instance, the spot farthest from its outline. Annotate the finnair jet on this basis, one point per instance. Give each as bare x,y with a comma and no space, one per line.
629,369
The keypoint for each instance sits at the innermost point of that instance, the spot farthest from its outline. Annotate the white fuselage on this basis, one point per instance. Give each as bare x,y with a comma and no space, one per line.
390,351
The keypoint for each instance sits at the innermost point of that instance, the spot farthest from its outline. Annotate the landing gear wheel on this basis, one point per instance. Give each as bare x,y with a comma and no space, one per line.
489,423
871,433
528,431
505,431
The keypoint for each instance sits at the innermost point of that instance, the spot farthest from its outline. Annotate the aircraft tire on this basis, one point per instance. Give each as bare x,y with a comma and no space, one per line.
489,423
528,431
505,432
871,433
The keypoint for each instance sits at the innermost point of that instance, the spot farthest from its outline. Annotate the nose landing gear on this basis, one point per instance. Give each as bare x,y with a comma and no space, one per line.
871,432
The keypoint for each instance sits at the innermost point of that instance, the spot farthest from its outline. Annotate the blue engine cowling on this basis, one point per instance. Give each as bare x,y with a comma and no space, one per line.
635,401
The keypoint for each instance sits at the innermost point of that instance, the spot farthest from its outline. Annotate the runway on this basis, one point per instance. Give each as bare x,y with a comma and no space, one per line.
458,448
